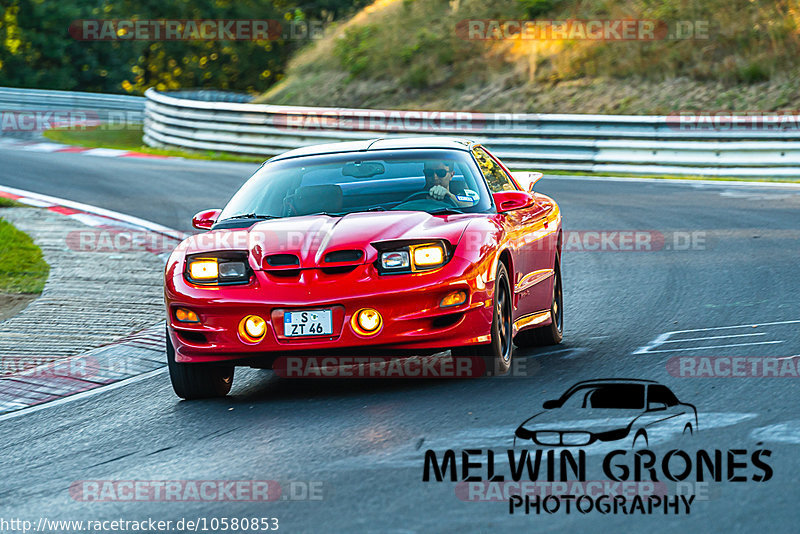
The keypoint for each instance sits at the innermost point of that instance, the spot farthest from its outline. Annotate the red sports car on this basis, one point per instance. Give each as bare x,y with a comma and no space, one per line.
389,246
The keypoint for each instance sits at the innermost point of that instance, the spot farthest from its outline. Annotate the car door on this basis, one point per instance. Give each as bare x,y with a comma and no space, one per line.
531,242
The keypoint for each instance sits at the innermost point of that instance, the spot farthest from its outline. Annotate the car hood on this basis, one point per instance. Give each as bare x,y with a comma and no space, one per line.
593,420
311,238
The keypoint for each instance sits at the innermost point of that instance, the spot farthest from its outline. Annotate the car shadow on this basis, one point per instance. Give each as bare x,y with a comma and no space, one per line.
269,386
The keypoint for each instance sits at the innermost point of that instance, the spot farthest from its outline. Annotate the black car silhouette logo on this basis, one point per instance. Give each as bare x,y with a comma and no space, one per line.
610,410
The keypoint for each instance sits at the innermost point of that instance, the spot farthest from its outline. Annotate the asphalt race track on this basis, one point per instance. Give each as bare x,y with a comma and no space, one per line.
724,256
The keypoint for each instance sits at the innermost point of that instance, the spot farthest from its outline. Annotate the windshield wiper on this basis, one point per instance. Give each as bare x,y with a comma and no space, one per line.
445,211
327,213
373,208
250,216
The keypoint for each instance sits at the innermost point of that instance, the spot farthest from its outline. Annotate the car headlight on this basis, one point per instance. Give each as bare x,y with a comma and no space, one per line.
204,269
227,268
232,270
428,255
397,259
411,257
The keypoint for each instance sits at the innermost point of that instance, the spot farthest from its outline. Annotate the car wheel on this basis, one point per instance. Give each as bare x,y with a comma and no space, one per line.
198,380
496,355
553,333
641,436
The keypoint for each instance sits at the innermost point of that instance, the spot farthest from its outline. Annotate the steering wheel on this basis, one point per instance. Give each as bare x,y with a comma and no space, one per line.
426,195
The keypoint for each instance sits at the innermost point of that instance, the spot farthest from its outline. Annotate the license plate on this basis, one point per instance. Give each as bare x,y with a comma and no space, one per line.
308,323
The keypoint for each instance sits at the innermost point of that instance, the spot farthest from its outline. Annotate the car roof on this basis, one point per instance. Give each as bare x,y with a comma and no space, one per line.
395,143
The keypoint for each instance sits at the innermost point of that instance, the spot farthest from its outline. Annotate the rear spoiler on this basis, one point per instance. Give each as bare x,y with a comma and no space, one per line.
527,179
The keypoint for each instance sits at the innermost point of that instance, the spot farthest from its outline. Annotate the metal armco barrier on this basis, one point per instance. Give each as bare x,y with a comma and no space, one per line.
227,122
597,143
105,107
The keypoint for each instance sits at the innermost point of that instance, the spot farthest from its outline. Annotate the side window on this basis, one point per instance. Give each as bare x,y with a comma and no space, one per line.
662,394
495,176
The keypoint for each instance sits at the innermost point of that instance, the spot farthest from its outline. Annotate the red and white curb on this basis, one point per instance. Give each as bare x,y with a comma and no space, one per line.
139,354
135,357
89,215
45,146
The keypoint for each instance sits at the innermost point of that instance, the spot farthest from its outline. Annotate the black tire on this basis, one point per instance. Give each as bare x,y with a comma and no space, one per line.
496,355
198,380
553,333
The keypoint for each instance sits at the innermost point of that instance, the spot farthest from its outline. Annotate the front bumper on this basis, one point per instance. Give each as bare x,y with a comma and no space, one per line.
408,304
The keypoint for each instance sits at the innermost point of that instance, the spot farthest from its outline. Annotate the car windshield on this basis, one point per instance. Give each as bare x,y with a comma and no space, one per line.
435,181
607,396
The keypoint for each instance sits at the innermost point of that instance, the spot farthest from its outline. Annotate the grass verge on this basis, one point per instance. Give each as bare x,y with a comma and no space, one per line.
8,203
131,139
22,266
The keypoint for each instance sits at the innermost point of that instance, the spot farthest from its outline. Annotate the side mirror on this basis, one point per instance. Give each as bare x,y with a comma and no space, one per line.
512,200
549,405
656,406
527,179
205,219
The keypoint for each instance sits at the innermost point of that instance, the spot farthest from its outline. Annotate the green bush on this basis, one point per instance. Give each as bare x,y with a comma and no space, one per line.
753,73
354,48
536,8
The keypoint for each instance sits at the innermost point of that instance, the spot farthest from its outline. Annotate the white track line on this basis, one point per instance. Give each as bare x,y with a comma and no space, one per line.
712,337
717,346
155,227
753,325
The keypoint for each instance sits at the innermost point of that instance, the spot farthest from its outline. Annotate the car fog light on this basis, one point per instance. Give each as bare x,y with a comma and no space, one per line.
455,298
186,316
367,321
253,328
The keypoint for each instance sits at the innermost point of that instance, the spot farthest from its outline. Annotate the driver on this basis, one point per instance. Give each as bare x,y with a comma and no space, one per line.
437,182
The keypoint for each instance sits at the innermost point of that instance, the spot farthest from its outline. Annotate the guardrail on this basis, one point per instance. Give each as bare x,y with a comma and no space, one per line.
597,143
104,107
227,122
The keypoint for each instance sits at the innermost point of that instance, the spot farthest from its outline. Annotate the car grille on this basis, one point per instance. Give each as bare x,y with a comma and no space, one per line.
562,438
